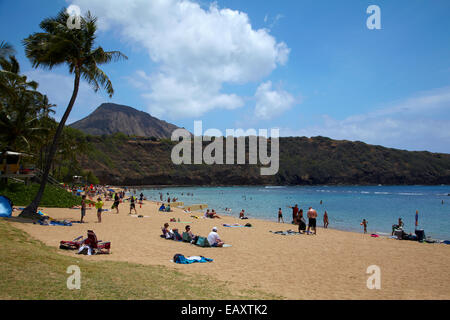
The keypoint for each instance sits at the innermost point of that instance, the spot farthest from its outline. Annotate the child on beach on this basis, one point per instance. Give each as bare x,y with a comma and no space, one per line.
242,215
280,215
325,220
364,223
99,206
83,207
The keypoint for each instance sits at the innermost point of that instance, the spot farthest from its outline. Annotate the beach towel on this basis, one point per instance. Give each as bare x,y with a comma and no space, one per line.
374,235
181,259
286,233
55,223
233,225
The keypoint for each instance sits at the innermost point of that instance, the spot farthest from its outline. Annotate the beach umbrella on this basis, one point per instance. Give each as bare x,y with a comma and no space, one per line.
417,218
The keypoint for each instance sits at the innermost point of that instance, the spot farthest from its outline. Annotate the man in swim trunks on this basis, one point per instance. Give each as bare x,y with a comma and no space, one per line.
280,215
312,215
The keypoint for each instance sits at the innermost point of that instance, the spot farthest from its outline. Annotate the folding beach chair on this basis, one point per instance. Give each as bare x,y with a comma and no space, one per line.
98,247
75,244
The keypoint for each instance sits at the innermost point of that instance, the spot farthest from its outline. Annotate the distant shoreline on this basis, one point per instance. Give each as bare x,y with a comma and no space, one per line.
161,186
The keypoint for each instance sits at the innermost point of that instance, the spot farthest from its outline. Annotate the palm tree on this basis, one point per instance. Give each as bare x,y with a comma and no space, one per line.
59,45
6,49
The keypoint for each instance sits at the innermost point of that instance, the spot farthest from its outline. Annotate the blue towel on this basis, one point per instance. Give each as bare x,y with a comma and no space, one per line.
55,223
183,260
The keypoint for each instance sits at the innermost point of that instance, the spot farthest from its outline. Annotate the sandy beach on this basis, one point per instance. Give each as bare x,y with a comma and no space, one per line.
329,265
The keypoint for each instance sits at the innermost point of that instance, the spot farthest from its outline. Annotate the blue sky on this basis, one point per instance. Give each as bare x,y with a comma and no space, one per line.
306,67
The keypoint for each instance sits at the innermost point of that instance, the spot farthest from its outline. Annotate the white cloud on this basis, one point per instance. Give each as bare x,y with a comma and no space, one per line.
59,88
197,51
271,102
417,123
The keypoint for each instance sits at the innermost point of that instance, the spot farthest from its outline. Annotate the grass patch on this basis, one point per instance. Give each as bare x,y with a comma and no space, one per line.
54,197
33,271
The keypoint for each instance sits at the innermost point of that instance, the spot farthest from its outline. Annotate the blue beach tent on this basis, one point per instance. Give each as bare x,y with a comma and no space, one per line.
5,207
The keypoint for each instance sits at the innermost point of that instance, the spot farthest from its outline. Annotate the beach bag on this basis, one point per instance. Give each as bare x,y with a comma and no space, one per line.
202,242
248,224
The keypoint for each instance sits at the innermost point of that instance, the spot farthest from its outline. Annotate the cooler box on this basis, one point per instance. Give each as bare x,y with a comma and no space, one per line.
420,234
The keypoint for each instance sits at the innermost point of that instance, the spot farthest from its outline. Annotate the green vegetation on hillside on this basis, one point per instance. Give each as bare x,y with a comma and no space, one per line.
54,197
303,161
39,272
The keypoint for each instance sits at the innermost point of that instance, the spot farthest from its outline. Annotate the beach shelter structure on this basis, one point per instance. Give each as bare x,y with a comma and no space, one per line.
12,165
5,207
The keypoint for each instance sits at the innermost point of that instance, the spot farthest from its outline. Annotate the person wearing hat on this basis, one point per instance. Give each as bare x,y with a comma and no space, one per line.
214,239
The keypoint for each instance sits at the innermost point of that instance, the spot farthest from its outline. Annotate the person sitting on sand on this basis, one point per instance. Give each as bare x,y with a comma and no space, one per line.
191,235
242,215
207,214
162,208
325,220
364,223
214,215
169,233
214,238
400,225
168,208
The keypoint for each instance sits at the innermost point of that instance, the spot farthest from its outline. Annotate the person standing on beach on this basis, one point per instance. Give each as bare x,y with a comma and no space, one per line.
132,204
99,206
83,207
312,215
280,215
116,202
294,213
325,220
364,223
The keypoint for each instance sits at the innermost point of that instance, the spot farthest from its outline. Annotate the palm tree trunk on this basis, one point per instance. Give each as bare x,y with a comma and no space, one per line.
31,210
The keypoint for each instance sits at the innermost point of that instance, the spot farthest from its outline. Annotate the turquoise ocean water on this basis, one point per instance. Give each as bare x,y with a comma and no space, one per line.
346,205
